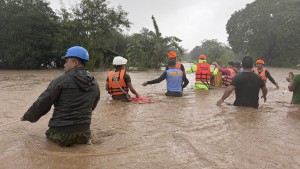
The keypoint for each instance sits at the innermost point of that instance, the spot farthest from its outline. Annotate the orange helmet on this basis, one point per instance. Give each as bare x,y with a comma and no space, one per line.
260,62
172,55
202,56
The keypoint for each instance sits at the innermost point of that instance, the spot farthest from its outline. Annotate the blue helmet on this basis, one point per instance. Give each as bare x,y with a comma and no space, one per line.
77,51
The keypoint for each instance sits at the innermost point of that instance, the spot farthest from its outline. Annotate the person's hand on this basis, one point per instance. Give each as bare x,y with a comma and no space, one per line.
265,98
277,86
145,84
137,96
289,79
220,102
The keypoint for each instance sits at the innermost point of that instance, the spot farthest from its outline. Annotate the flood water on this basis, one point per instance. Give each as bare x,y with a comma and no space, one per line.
190,132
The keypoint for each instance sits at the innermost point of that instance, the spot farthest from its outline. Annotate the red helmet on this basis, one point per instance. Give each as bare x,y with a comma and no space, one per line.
260,62
172,55
202,56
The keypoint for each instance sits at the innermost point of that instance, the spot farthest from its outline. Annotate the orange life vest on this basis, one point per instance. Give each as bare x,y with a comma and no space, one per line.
113,88
203,72
228,78
262,74
178,65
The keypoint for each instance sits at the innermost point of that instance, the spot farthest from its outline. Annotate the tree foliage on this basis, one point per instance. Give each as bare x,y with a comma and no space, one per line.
27,30
33,35
215,52
267,29
96,27
148,49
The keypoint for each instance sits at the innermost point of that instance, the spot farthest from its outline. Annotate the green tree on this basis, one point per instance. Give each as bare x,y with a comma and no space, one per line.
149,49
267,29
215,52
100,24
27,31
69,34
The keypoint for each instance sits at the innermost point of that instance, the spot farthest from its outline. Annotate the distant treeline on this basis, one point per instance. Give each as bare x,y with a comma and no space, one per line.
33,36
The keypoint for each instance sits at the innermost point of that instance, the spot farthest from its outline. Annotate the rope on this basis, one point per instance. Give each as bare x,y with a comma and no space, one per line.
9,123
116,81
205,83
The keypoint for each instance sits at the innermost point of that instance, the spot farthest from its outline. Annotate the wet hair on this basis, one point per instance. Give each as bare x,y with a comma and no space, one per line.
171,62
247,62
231,63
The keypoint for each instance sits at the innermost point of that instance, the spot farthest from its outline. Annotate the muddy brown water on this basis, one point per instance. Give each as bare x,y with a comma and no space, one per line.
176,133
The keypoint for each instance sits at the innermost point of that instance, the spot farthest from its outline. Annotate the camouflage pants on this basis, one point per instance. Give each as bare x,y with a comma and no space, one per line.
68,139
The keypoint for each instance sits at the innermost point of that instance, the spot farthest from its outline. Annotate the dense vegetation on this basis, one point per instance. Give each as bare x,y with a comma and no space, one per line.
27,32
33,35
267,29
215,51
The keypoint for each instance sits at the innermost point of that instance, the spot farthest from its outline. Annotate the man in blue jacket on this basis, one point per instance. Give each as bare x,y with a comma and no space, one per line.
75,95
176,79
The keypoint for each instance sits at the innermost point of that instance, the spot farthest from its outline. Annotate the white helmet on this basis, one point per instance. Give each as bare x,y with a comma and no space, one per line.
119,60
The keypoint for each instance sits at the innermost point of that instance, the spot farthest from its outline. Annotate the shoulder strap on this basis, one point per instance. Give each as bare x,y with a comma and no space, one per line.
127,95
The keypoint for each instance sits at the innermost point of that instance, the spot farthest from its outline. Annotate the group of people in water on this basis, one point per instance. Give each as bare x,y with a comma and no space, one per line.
244,78
76,93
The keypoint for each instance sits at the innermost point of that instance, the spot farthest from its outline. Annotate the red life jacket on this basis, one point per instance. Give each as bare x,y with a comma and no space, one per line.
203,72
228,78
178,65
113,88
262,74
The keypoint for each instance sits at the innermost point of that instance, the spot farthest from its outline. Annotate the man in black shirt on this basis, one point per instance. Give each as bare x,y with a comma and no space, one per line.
246,86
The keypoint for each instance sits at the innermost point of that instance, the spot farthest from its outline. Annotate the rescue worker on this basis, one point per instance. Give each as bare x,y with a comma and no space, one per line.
179,65
118,82
203,73
218,79
263,72
214,73
176,79
75,95
229,73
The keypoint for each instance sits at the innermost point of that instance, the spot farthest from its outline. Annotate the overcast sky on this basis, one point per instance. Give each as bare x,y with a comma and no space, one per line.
190,20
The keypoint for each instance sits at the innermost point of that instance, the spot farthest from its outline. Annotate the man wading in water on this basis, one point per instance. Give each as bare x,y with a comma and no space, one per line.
246,85
118,82
75,95
264,73
176,79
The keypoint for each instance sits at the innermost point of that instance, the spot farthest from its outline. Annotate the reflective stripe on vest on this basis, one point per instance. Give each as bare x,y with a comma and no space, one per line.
228,78
113,87
203,72
262,74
